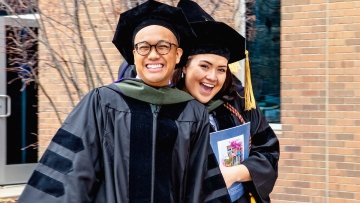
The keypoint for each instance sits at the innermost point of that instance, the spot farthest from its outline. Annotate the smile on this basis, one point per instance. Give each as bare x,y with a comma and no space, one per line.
206,88
154,66
208,85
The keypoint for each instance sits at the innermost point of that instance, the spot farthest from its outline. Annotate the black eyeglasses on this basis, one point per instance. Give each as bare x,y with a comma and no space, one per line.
162,47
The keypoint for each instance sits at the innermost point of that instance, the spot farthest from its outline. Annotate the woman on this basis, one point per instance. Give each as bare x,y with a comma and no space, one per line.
135,140
208,79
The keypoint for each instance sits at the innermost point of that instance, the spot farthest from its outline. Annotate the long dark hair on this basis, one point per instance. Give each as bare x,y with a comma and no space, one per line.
226,92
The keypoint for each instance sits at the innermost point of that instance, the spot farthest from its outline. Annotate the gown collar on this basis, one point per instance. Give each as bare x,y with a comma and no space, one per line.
137,89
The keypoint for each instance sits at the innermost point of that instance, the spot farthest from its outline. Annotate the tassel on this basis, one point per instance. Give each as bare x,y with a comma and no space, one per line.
250,102
252,199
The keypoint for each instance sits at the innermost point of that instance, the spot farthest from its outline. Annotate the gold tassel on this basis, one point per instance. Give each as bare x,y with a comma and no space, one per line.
252,199
250,102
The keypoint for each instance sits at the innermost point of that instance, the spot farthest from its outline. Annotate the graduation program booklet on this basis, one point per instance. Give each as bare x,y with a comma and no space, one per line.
231,147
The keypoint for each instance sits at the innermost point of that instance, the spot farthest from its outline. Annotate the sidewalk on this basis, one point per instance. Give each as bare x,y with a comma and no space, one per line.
10,193
8,200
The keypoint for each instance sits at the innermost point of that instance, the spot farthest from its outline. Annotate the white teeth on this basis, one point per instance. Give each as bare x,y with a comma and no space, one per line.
153,66
208,85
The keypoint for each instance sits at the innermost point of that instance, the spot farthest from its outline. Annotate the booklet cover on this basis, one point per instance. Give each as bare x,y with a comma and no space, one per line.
231,147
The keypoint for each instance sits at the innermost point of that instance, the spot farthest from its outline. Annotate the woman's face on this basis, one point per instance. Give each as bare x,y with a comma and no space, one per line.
153,68
205,75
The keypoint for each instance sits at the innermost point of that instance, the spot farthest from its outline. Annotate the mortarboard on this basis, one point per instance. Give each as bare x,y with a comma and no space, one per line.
212,35
193,11
151,13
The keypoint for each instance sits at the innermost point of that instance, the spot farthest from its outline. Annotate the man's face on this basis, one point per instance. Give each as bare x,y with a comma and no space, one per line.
153,68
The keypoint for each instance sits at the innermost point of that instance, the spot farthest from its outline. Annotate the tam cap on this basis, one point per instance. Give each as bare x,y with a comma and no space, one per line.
151,13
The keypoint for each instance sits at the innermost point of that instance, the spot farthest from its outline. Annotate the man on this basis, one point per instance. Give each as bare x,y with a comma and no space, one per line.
137,140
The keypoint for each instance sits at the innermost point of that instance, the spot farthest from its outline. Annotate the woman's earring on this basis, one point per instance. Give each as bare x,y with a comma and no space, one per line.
182,74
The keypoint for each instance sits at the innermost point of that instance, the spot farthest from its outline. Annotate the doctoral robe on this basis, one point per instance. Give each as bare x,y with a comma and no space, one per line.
120,146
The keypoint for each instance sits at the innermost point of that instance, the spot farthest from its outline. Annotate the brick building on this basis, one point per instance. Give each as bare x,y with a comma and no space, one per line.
320,101
319,68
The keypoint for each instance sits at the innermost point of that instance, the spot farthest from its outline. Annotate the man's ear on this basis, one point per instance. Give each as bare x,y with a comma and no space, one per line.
179,53
134,55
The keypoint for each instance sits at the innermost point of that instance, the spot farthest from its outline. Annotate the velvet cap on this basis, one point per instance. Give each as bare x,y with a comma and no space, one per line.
151,13
212,34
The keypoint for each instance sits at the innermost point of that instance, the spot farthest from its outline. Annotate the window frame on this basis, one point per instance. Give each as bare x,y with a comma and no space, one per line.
14,173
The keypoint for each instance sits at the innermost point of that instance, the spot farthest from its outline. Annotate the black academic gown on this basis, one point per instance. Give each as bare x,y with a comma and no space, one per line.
264,154
116,149
263,157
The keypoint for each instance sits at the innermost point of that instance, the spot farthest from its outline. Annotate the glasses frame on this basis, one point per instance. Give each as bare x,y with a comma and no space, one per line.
154,45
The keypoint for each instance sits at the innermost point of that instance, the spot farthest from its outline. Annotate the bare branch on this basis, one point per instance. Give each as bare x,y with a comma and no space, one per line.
87,71
97,40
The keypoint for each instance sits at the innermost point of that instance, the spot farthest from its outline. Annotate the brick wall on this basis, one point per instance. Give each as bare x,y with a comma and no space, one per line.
320,102
61,41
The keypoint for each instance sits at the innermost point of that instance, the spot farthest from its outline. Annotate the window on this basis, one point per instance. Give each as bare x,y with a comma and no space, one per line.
263,45
18,101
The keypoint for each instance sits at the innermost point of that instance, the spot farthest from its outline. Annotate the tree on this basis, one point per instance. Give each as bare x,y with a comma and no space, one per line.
70,38
73,46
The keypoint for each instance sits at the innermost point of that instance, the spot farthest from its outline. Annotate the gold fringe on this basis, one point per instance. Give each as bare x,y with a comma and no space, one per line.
235,67
250,102
252,199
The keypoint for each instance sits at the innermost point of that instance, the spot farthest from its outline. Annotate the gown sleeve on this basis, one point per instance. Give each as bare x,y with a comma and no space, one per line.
215,187
69,171
265,152
263,158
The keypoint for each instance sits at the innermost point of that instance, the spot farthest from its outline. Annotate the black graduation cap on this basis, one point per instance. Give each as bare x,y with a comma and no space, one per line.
151,13
211,33
193,11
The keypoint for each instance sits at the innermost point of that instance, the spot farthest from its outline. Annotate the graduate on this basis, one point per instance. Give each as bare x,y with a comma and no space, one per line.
137,140
207,77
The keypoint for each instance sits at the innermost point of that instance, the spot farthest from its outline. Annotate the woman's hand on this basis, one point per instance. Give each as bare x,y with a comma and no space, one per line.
234,174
